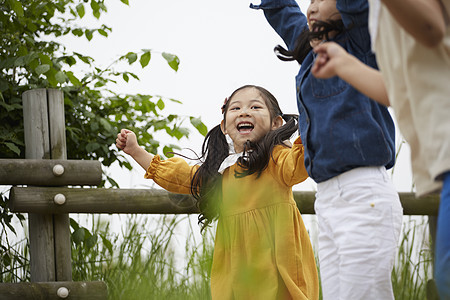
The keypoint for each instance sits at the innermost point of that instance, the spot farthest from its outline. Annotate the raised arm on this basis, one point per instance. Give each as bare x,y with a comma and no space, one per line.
127,141
333,60
285,17
289,164
425,20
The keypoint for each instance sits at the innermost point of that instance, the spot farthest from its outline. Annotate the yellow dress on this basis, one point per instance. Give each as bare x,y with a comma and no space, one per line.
262,249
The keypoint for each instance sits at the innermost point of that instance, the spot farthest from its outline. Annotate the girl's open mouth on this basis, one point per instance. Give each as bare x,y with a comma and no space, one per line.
245,127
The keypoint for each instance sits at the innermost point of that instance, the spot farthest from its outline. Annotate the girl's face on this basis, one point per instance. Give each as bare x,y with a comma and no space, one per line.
248,118
322,10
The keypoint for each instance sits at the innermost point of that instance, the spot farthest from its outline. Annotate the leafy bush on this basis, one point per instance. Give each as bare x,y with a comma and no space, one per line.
31,57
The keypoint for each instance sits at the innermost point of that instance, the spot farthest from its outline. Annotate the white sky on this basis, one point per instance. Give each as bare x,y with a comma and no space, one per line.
221,45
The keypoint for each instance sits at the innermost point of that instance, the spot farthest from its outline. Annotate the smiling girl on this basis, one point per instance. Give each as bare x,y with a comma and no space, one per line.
262,249
349,142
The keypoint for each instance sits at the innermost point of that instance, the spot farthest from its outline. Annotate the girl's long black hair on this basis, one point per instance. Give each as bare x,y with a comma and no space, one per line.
206,184
320,31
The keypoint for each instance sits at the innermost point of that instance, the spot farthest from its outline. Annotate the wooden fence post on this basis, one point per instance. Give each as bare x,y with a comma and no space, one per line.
58,150
44,130
431,284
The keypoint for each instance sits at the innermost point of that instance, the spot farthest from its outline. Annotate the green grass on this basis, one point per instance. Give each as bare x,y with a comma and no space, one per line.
151,258
413,268
141,263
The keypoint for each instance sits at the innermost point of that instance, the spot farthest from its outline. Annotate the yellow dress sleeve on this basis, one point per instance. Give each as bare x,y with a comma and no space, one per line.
288,163
173,174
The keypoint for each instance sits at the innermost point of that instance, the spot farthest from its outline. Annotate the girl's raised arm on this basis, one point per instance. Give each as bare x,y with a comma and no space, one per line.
127,141
425,20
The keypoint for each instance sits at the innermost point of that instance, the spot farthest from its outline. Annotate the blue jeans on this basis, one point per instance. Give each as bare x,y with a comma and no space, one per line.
442,264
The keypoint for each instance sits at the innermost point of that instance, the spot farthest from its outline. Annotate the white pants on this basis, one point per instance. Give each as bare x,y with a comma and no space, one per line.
360,218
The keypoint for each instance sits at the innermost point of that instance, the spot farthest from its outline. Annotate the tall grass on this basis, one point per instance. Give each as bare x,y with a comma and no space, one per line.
149,258
414,265
141,262
14,250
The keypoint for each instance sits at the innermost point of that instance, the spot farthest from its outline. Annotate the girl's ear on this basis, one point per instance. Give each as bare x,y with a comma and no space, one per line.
222,127
277,122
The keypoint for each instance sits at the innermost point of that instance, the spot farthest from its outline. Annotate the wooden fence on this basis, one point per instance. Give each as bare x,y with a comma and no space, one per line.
46,172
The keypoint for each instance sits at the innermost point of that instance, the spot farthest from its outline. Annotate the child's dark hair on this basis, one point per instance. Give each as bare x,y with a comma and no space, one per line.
320,31
206,184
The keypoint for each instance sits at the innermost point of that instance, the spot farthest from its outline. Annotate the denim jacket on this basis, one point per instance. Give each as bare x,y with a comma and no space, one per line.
341,129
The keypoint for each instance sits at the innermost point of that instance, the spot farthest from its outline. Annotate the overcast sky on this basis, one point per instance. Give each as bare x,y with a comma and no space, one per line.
222,45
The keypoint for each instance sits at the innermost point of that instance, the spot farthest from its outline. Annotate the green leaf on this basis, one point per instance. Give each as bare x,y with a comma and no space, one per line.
172,60
61,77
125,1
84,58
29,40
74,224
70,60
113,182
94,126
198,124
42,69
91,241
20,61
33,64
160,104
6,259
179,132
105,124
132,57
74,80
9,107
77,32
96,14
22,51
45,59
89,34
17,7
32,27
167,150
176,101
78,236
107,244
145,59
91,147
102,32
125,77
95,9
103,7
50,75
80,10
13,148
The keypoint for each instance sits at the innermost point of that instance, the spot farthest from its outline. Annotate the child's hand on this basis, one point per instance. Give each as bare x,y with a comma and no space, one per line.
127,141
330,57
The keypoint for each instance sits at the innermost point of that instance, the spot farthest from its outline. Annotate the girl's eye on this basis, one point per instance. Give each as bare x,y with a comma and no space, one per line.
256,107
234,108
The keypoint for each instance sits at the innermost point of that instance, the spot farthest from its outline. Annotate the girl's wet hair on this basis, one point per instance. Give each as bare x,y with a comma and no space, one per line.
320,31
206,184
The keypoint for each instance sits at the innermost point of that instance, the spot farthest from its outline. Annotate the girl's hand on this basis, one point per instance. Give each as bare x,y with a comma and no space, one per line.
127,141
330,59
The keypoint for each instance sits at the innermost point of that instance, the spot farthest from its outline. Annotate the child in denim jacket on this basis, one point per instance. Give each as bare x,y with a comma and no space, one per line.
349,143
412,43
